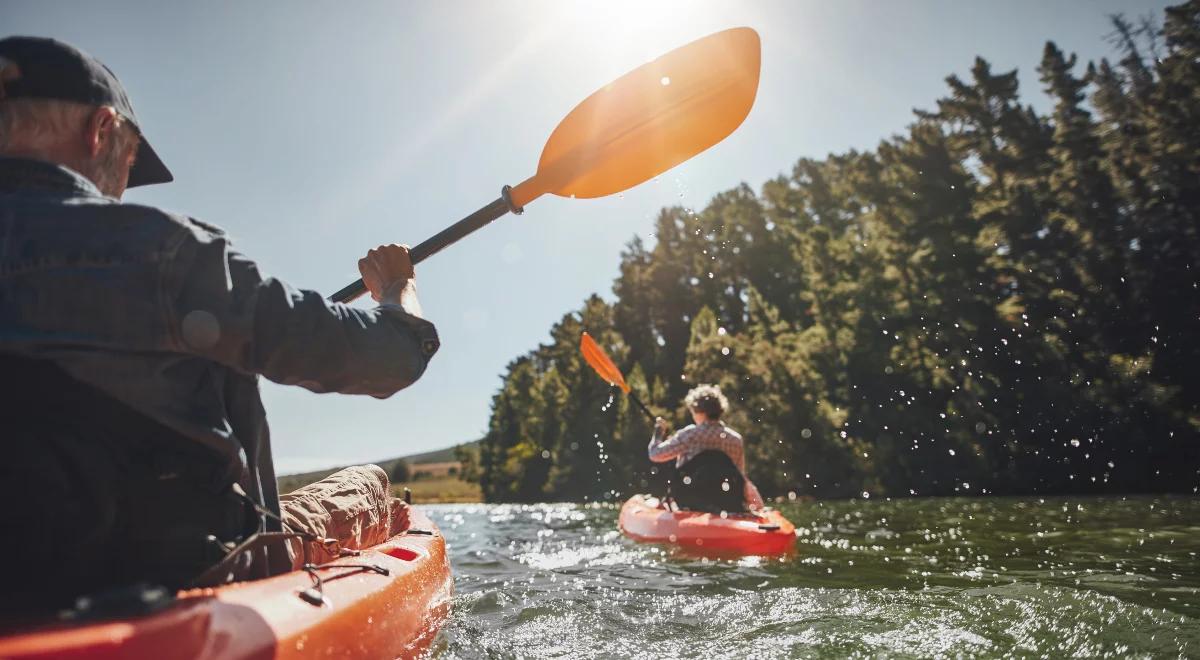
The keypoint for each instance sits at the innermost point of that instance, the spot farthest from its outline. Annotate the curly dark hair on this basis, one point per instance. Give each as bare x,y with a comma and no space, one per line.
707,399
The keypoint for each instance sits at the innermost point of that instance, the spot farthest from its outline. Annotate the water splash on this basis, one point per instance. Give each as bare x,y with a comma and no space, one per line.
930,577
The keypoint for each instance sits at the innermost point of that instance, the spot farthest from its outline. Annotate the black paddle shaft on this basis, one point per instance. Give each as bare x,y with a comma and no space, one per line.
633,398
445,237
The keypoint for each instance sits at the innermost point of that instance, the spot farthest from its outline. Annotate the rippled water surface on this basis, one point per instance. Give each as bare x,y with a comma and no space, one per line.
1051,577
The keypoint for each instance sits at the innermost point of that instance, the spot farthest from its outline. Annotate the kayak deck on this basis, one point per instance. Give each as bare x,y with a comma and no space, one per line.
365,614
644,519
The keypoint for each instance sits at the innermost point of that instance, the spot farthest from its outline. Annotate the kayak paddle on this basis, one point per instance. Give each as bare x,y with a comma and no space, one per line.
633,129
603,365
599,360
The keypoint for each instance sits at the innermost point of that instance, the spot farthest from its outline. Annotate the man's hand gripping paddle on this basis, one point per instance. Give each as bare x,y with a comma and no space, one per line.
599,360
633,129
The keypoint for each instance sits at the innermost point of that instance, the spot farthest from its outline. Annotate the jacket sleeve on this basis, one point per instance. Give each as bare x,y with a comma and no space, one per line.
661,452
221,307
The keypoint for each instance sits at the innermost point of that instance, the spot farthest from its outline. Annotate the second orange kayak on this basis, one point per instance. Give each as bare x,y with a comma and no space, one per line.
643,518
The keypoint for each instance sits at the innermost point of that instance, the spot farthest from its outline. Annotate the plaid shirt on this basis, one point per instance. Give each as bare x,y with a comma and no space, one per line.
692,439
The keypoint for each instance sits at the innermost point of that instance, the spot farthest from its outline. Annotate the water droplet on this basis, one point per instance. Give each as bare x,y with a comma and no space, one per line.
664,81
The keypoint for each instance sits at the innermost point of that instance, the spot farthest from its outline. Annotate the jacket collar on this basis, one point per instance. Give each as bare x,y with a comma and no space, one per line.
28,175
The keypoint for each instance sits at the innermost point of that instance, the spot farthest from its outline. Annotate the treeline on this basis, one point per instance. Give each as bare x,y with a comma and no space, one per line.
998,301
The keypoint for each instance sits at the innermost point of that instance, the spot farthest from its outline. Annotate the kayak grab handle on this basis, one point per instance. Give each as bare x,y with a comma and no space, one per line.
769,528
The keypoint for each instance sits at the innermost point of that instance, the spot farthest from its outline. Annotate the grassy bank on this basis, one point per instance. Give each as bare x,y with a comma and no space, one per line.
435,463
440,489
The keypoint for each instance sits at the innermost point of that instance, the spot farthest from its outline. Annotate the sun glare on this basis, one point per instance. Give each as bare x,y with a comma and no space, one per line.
612,37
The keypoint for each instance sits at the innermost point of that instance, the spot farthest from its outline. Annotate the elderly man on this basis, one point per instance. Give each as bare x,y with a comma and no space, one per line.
131,342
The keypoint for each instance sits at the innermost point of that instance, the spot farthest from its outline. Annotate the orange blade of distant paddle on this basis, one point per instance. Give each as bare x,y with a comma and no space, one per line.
599,360
651,119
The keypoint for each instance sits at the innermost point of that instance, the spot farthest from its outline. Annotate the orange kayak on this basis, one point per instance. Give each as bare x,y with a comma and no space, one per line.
366,613
643,518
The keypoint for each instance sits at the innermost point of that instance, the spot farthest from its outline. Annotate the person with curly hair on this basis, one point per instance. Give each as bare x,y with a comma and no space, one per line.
709,457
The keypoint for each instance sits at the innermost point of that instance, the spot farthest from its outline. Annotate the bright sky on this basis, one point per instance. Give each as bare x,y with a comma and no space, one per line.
314,130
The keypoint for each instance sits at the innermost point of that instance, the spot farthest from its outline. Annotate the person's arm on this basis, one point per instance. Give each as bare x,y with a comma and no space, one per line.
660,450
225,310
754,500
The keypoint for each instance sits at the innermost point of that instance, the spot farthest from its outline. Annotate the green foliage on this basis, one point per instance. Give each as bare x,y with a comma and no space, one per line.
468,457
995,302
401,472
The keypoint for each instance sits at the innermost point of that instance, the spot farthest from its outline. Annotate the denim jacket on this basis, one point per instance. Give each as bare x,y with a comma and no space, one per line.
159,311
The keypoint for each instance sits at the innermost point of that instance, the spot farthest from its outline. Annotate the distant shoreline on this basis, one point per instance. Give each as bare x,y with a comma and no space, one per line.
433,499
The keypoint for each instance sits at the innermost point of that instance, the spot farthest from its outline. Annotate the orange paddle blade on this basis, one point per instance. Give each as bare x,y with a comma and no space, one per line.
651,119
599,360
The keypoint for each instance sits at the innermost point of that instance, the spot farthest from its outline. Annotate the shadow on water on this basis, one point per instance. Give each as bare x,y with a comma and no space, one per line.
917,577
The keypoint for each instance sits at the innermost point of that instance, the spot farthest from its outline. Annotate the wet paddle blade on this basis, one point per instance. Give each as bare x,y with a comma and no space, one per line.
651,119
599,360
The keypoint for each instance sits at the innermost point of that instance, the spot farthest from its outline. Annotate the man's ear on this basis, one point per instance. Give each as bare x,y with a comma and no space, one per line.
9,71
100,129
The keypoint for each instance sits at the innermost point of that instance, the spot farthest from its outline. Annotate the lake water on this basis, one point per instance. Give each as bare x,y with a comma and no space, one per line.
1028,577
